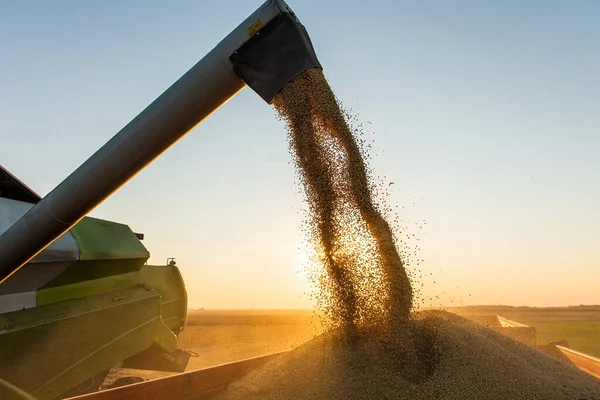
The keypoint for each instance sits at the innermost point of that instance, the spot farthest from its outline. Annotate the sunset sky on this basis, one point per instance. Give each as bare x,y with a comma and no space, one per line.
485,116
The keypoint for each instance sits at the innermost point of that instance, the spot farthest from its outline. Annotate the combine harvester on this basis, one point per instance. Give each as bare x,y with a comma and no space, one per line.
76,295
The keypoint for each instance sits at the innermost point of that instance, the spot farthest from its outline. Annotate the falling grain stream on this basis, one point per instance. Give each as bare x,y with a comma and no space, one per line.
357,288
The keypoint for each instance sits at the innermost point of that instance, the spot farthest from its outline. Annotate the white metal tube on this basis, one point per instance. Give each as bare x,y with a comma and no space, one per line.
197,94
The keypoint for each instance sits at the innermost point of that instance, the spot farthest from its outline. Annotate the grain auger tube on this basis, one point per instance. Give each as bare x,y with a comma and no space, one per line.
264,52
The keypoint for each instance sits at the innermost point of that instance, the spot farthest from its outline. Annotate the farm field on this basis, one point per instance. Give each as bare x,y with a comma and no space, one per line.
579,325
582,336
221,336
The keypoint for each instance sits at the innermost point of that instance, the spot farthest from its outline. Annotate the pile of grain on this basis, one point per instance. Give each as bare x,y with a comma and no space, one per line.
358,269
438,355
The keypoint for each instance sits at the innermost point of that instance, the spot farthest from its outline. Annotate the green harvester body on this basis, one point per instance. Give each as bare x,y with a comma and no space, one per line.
89,305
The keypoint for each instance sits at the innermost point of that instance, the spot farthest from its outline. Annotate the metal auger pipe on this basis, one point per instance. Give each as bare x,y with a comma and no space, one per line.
265,51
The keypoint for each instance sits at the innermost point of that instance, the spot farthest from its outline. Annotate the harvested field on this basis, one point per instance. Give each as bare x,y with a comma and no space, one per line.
529,315
580,335
222,336
437,355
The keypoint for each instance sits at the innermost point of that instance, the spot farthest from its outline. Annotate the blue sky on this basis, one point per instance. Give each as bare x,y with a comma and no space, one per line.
485,115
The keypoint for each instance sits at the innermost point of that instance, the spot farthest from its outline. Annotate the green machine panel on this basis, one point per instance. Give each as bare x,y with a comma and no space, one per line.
48,350
104,240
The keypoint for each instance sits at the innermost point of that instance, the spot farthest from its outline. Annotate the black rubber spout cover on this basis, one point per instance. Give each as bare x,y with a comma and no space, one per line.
275,55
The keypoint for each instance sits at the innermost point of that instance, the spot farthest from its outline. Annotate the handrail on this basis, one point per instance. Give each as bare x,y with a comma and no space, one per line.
507,323
585,362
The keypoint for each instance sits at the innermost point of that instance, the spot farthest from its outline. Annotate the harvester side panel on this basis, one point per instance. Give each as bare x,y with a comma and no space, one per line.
168,283
106,240
67,342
